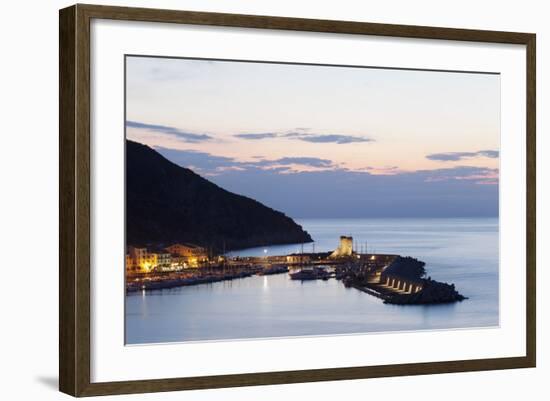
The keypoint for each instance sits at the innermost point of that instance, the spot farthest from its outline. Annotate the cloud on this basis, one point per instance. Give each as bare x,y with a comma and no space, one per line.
334,138
207,163
261,135
202,161
293,135
456,156
163,129
477,175
383,170
338,193
303,134
325,189
305,161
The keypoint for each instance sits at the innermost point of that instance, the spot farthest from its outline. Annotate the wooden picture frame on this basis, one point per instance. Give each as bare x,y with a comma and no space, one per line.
74,204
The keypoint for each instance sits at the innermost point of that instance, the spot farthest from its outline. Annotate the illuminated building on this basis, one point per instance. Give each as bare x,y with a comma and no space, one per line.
143,260
178,262
345,249
193,255
131,266
162,259
298,258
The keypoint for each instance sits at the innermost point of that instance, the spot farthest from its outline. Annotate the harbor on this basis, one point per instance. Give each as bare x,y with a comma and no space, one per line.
392,278
274,305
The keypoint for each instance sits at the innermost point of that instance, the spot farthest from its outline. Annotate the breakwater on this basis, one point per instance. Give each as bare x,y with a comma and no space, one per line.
403,281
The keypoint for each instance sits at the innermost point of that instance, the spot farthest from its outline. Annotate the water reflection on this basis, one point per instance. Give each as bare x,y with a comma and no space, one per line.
463,251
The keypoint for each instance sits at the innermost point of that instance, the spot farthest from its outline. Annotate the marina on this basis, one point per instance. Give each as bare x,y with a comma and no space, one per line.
393,278
274,305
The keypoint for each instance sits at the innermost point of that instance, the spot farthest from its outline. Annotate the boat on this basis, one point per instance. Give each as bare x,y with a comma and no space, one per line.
275,269
315,273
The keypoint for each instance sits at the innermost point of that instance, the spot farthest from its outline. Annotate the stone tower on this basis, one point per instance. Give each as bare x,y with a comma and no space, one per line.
344,249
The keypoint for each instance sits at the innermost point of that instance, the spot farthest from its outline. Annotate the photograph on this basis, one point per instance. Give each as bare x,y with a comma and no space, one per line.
268,199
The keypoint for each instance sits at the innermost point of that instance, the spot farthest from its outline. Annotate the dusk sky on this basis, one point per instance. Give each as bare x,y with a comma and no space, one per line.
318,141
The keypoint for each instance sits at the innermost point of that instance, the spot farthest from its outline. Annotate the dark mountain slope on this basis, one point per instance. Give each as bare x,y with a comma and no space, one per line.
167,203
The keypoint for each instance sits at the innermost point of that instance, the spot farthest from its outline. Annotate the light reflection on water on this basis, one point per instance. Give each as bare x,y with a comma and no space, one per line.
462,251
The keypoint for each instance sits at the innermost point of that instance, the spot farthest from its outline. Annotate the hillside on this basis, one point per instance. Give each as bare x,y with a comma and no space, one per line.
167,203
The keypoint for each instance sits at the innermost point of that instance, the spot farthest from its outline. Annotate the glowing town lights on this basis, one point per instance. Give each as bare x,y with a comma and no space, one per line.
173,258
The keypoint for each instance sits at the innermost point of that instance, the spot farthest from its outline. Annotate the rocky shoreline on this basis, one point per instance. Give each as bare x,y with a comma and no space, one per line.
433,292
403,282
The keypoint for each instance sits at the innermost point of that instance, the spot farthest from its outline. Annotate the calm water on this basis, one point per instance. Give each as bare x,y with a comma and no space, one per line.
461,251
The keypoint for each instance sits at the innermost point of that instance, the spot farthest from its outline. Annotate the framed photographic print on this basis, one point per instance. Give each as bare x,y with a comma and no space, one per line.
250,200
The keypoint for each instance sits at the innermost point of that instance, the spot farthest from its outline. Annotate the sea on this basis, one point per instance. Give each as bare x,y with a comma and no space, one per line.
463,251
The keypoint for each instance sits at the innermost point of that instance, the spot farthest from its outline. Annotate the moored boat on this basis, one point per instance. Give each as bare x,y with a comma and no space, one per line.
275,269
315,273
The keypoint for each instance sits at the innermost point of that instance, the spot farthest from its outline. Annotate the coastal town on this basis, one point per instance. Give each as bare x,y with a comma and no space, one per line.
392,278
176,257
